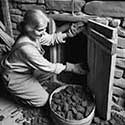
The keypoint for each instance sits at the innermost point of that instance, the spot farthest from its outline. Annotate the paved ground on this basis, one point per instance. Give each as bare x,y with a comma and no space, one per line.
41,116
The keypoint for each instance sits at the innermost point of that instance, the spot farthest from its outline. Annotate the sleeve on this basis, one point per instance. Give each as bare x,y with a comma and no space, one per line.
51,39
35,60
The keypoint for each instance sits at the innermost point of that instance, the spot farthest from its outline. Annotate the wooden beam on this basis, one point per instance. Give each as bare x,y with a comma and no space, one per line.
105,30
53,49
71,18
103,42
6,16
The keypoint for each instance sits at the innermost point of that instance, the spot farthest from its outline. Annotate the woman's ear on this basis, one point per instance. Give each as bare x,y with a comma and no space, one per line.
28,28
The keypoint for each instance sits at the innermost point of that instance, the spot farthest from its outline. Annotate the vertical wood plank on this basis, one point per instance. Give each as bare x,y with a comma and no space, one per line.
53,49
6,16
101,61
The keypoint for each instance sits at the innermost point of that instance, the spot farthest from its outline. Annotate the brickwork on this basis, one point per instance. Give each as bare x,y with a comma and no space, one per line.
18,8
119,78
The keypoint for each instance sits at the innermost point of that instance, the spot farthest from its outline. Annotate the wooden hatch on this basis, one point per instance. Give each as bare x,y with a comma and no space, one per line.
102,43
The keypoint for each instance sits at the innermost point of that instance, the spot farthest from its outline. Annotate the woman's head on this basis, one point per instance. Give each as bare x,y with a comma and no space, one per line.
35,22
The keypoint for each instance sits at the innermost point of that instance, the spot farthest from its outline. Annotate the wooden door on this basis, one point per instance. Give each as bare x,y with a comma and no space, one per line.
102,42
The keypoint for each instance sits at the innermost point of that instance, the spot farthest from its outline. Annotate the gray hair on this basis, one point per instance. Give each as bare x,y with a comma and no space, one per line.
32,19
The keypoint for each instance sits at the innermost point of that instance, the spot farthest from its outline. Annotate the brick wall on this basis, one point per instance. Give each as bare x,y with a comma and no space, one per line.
119,78
18,8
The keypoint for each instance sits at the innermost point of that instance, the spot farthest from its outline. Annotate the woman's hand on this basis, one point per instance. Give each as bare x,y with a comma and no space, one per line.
76,68
75,29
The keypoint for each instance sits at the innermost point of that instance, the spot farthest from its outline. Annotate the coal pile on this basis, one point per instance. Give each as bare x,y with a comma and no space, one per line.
72,103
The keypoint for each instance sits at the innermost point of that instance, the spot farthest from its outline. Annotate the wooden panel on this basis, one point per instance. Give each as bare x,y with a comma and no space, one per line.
103,41
6,16
101,61
107,31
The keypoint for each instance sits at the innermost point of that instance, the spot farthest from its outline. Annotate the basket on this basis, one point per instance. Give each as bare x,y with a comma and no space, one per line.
58,120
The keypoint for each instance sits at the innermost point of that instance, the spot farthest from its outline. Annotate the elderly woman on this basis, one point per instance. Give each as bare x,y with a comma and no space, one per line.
26,63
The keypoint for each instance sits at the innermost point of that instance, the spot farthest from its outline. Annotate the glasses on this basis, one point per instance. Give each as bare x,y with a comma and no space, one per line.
41,30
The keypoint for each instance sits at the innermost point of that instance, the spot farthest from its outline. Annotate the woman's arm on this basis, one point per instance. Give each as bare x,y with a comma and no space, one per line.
35,60
51,39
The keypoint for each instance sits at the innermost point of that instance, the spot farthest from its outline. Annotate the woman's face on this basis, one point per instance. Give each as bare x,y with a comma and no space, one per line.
38,24
39,32
40,29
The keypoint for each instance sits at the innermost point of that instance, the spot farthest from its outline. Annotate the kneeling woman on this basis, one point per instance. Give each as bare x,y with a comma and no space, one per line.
26,64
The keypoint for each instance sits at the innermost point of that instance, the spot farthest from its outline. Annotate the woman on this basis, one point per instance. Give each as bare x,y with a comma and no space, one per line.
25,64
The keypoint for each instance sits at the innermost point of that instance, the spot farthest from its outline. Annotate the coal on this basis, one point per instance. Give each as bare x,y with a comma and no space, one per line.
74,103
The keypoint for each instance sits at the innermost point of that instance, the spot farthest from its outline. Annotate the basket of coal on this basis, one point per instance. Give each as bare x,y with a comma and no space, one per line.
72,105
